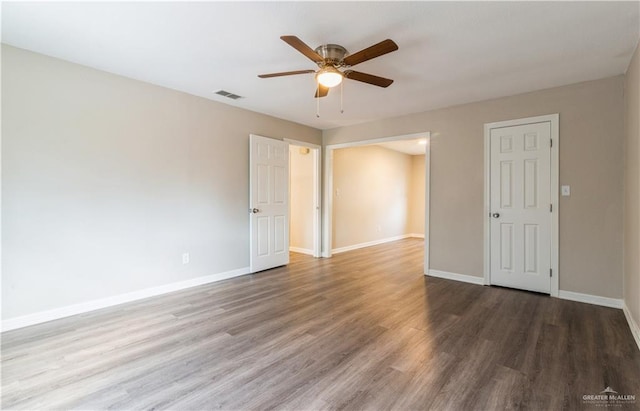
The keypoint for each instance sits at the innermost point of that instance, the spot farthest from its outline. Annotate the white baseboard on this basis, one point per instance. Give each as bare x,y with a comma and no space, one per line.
565,295
591,299
56,313
301,250
415,235
458,277
635,329
369,244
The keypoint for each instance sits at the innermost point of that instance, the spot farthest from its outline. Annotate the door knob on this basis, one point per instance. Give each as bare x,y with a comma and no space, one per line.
254,210
495,215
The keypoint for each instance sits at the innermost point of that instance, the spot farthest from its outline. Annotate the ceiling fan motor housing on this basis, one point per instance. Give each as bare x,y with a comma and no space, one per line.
332,53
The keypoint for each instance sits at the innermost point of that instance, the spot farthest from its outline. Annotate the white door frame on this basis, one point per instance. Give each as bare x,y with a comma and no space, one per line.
554,120
327,220
317,195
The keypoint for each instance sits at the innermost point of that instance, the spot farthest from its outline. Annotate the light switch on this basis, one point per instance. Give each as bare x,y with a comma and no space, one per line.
566,191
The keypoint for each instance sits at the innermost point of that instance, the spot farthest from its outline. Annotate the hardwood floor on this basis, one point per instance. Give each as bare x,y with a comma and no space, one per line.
362,330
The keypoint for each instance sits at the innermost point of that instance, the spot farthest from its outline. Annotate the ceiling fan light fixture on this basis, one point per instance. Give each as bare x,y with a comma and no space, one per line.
329,76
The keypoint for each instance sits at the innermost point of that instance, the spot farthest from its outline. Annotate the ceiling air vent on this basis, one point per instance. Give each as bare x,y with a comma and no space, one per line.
228,95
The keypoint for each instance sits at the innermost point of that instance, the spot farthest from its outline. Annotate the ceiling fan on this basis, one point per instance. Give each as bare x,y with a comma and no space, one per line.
330,58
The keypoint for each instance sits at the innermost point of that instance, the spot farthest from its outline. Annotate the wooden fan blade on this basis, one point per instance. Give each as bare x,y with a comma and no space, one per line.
300,45
286,73
321,91
377,50
368,78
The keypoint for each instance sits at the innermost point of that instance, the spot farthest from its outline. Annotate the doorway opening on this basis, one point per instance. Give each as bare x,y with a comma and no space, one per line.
374,193
269,201
304,198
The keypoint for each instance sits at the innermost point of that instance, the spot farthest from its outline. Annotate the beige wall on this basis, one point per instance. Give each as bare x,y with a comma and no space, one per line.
371,187
106,181
417,195
591,149
301,168
632,189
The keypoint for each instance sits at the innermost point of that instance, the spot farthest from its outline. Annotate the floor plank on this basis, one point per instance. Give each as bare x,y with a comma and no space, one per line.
362,330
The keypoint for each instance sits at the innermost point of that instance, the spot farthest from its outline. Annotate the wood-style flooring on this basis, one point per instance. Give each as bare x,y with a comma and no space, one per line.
362,330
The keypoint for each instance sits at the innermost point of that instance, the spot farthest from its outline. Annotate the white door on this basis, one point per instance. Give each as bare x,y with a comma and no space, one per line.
521,207
269,203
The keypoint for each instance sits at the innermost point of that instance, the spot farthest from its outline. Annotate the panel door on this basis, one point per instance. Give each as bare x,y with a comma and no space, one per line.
520,207
269,203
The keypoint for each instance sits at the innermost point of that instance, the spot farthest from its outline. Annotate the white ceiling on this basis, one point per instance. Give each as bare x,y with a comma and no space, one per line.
411,147
450,52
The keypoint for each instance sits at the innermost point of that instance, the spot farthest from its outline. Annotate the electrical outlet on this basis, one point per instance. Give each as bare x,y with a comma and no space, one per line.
185,258
566,191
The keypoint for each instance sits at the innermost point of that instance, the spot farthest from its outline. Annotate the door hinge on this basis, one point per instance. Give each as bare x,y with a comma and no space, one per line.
550,272
551,142
551,208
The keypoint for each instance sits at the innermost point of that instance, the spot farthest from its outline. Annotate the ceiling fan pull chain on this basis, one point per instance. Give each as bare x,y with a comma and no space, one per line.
318,101
341,93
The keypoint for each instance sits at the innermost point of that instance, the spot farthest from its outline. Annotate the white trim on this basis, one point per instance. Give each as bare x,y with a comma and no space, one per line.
427,203
327,203
317,201
486,242
413,136
555,201
301,250
317,193
472,279
554,120
415,235
635,329
61,312
328,187
302,143
523,121
591,299
369,243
